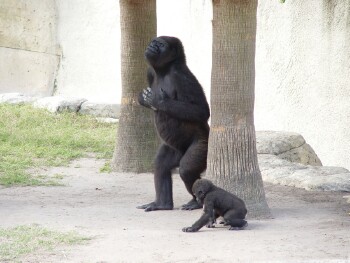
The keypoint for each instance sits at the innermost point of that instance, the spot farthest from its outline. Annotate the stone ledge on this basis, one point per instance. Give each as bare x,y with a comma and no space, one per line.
16,98
326,178
286,145
100,110
286,159
57,104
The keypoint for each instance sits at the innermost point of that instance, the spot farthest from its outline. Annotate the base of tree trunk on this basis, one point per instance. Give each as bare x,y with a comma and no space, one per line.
233,166
136,142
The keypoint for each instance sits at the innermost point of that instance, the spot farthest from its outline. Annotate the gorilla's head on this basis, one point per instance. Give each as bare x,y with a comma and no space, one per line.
163,50
200,189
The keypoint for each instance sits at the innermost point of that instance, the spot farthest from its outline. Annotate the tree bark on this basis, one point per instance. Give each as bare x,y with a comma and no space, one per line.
232,155
137,141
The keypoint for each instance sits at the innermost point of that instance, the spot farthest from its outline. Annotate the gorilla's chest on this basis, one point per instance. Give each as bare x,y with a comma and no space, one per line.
168,85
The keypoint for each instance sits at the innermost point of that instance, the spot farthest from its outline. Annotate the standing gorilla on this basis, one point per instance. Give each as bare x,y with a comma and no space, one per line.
217,202
181,114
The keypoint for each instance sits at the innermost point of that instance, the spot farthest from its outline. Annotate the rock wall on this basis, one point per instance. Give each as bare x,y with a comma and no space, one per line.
303,73
72,48
29,53
191,21
89,35
288,146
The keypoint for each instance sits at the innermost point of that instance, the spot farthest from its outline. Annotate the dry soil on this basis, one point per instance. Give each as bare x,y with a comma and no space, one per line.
307,226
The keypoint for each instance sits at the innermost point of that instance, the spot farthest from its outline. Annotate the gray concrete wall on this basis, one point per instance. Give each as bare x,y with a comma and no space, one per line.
89,35
29,53
303,73
86,63
191,22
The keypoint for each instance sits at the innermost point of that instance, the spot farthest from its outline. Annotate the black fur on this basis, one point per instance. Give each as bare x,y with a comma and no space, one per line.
181,114
217,202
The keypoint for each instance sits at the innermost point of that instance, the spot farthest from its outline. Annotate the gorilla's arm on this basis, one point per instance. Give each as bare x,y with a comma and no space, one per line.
187,111
207,217
190,103
184,110
146,97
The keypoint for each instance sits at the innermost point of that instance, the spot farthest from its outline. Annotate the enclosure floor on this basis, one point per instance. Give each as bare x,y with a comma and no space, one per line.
306,225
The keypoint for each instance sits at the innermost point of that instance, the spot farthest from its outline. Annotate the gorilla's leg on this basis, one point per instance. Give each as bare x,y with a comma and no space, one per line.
235,220
192,164
167,159
212,221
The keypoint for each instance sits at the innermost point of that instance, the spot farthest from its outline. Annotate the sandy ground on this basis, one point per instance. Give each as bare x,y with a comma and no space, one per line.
307,226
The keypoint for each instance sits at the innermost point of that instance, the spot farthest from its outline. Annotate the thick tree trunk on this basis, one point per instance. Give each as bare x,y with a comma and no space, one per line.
232,156
136,138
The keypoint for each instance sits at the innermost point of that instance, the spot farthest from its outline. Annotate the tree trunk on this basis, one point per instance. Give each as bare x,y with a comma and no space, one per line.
232,156
136,138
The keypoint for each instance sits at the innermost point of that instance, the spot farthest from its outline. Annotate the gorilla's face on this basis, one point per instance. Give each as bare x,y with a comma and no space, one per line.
200,189
161,52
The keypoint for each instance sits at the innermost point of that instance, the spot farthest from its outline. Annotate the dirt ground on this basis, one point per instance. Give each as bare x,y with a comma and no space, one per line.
307,226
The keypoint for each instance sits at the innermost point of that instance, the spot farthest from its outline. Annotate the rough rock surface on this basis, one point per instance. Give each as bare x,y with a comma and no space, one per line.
100,110
347,198
16,98
286,145
59,104
278,171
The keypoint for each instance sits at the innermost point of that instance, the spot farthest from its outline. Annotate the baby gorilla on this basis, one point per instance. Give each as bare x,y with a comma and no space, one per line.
217,202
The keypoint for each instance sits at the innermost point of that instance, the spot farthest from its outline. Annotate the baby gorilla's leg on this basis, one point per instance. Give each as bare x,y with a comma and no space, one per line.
234,220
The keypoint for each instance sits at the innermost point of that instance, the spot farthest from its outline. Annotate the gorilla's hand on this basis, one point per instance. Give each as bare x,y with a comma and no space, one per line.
148,98
189,229
211,223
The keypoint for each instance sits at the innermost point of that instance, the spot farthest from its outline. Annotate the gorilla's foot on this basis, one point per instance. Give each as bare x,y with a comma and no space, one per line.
239,227
153,206
191,205
210,225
